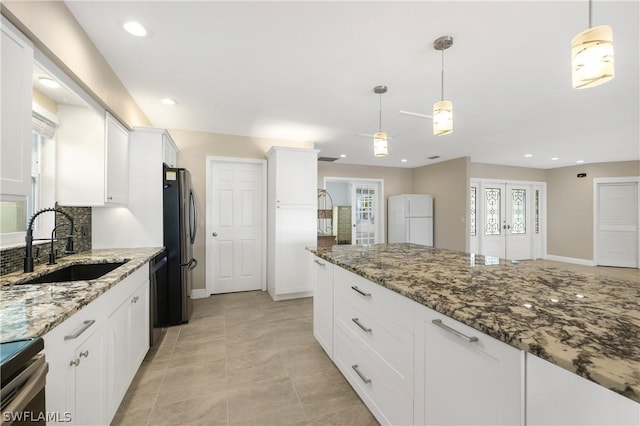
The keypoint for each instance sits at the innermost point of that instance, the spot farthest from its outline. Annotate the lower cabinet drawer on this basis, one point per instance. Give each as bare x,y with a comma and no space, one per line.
387,344
387,402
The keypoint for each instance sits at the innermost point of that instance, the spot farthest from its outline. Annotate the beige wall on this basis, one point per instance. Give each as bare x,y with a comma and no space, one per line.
495,171
448,182
194,147
570,206
53,29
45,102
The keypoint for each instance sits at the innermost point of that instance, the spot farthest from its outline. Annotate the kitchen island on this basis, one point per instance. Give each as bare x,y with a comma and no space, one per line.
583,323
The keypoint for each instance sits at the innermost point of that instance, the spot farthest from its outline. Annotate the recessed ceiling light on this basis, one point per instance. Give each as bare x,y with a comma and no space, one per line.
49,82
135,28
404,160
528,155
554,158
343,155
168,101
580,161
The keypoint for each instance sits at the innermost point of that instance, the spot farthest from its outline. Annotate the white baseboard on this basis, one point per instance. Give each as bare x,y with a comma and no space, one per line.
584,262
199,293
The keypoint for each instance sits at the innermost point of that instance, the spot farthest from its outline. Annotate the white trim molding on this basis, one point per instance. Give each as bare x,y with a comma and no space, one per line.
199,293
574,260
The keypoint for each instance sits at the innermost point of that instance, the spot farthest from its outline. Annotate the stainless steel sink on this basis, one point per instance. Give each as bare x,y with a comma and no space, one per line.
80,272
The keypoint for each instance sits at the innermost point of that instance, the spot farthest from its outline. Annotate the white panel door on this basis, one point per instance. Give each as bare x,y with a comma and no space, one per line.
617,224
493,225
235,215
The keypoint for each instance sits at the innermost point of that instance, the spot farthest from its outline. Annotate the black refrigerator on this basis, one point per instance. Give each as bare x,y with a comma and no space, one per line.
173,299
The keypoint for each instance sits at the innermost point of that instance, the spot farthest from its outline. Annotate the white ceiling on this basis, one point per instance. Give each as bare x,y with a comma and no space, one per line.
306,70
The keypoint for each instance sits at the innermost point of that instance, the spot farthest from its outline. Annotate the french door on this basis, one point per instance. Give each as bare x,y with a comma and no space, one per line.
363,213
505,220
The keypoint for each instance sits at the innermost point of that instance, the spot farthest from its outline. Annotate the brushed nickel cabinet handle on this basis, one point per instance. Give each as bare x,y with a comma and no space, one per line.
84,327
356,289
319,263
362,376
75,363
453,331
84,354
359,324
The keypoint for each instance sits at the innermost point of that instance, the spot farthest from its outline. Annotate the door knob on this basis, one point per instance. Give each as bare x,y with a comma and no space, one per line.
215,234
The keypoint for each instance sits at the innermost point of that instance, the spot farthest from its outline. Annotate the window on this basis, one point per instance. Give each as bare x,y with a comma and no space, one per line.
472,220
492,211
519,211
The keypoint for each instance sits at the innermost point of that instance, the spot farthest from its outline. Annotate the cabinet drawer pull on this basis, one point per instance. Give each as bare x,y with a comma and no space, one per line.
319,263
359,324
75,335
135,299
357,290
364,379
75,362
84,354
440,324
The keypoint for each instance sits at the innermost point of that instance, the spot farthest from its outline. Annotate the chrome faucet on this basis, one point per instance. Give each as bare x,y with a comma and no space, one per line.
28,258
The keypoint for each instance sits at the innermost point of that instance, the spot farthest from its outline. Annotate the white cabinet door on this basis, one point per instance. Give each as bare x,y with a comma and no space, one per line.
323,303
556,396
139,339
464,376
169,151
118,355
116,162
296,230
15,109
91,380
296,176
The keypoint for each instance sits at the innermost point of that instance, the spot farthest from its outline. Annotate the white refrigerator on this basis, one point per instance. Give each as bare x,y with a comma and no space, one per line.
410,219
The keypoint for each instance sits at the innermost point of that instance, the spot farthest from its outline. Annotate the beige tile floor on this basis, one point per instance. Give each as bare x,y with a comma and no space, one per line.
241,360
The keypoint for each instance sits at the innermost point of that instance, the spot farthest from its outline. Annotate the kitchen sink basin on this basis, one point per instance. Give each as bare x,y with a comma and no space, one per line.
80,272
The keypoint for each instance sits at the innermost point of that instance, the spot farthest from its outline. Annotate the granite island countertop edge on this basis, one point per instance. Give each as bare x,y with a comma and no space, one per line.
518,340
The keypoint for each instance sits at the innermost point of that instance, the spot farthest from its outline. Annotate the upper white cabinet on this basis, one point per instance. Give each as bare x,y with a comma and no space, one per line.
169,151
149,148
292,220
15,145
116,162
92,158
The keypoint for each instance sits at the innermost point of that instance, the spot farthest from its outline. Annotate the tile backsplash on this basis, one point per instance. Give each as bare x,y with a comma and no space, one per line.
12,260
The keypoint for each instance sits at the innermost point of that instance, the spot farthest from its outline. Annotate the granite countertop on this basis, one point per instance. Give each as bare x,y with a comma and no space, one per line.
587,324
31,310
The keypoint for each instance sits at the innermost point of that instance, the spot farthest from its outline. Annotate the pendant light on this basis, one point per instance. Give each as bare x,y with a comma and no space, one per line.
592,56
380,138
442,110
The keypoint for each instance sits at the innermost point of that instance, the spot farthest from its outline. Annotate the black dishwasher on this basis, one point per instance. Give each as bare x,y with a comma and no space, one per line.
23,371
157,289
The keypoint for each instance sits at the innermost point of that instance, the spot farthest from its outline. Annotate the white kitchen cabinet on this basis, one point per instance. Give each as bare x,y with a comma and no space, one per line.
292,220
556,396
464,376
323,303
15,109
90,378
91,351
92,160
141,226
169,150
116,161
128,338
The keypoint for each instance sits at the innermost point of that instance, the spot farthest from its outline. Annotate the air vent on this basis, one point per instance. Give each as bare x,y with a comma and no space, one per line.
433,157
327,159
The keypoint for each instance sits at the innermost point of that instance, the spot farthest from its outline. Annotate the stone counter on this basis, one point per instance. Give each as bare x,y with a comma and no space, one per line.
586,324
31,310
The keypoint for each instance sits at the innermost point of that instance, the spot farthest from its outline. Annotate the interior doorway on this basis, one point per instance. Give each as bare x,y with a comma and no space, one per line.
507,219
616,236
235,224
358,206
